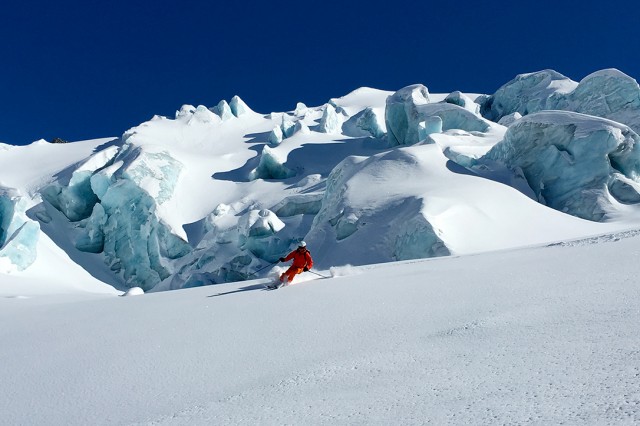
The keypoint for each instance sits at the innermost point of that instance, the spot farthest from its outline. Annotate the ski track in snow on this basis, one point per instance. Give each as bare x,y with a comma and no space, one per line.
606,238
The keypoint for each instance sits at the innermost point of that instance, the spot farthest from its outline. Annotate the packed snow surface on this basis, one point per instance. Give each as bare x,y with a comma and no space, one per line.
544,335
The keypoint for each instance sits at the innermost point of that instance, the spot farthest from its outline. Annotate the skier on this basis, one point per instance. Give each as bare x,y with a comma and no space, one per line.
302,262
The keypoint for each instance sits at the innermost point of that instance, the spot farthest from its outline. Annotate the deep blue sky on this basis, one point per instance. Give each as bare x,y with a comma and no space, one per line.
81,70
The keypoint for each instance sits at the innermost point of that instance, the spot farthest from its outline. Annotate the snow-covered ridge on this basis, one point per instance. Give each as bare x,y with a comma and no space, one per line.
216,193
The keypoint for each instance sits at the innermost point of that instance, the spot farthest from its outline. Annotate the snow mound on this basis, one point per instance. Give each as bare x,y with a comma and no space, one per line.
257,234
452,117
301,110
260,223
185,111
462,100
271,166
578,164
133,291
203,115
365,224
359,99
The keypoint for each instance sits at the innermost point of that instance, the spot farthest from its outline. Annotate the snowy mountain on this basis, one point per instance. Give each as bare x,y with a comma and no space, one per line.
214,194
479,255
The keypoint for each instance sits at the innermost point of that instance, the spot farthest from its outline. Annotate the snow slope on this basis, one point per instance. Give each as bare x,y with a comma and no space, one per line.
542,335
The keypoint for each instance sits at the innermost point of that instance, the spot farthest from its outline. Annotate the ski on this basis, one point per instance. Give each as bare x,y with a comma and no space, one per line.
274,286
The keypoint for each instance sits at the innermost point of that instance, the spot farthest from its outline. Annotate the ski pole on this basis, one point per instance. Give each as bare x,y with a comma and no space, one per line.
261,269
320,275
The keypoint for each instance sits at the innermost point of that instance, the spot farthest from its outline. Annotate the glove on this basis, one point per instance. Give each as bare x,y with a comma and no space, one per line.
281,259
306,269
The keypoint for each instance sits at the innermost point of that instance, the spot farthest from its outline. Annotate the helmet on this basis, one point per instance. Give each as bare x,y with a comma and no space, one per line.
302,244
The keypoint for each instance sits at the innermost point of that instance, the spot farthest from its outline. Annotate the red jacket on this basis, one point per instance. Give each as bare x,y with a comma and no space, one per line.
300,259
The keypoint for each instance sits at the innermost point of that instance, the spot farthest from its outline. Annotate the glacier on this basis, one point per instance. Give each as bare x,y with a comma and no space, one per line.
462,100
136,243
299,204
202,114
606,93
258,231
402,116
238,107
575,163
276,136
223,110
330,121
509,119
452,117
385,228
369,121
270,166
213,195
18,234
288,126
113,198
527,93
609,94
411,116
